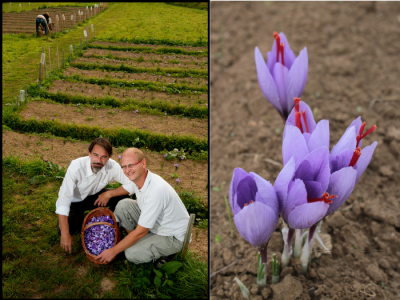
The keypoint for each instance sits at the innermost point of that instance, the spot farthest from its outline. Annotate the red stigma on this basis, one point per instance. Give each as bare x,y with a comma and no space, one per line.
248,204
296,104
360,136
298,121
283,62
303,113
278,43
356,156
325,197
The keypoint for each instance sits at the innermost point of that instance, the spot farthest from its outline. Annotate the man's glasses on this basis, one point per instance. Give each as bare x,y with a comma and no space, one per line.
130,166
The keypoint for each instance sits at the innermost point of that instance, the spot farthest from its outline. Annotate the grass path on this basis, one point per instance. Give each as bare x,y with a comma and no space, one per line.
21,56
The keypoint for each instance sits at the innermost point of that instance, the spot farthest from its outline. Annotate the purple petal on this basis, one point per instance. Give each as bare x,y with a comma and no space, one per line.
280,75
266,82
304,171
320,136
297,78
319,161
313,188
347,141
297,195
246,191
306,215
341,161
256,222
341,184
364,160
288,54
266,193
238,175
282,182
291,120
294,145
357,125
271,60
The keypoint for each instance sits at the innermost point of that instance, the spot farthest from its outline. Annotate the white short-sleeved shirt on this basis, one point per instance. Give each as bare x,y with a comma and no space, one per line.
162,211
80,181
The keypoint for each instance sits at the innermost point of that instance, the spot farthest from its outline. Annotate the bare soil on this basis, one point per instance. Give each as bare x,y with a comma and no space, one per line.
109,61
153,47
115,118
193,174
353,71
94,90
195,82
189,59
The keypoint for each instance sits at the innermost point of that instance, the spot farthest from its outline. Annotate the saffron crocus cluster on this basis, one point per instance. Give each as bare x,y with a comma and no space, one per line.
98,238
283,76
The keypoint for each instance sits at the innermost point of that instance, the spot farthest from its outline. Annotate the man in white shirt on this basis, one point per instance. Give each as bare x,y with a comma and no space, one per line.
156,222
83,189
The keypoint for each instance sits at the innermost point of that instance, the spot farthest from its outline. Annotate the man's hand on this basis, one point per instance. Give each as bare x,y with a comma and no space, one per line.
66,242
103,199
106,255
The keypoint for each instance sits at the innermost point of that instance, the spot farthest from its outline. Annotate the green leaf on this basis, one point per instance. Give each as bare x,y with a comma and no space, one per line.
157,281
171,267
158,273
218,238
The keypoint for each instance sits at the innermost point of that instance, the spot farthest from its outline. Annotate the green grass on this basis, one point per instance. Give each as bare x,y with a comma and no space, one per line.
31,250
156,22
38,5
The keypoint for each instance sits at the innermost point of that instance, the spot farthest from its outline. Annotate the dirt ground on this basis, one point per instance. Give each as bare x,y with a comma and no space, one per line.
114,118
193,174
354,68
94,90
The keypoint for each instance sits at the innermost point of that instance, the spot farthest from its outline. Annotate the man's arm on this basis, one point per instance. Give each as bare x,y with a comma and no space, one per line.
105,197
66,238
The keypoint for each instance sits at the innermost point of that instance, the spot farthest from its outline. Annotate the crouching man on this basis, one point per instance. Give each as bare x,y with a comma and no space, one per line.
83,189
156,222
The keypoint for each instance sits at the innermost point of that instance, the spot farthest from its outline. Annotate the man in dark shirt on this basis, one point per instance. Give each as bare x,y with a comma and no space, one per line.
44,21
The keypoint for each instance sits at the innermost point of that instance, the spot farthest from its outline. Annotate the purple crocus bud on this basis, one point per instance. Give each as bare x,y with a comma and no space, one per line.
176,165
165,113
182,158
119,156
165,155
284,76
255,207
178,180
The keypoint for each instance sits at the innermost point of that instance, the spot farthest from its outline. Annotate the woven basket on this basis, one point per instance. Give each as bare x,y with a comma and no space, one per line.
101,211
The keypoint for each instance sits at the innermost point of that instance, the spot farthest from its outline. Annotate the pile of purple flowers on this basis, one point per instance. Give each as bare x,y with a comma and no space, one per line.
314,181
99,237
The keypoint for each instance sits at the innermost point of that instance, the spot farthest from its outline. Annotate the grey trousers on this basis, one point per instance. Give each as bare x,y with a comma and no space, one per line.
151,246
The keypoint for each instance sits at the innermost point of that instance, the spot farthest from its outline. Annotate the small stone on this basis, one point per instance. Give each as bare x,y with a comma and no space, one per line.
228,257
286,271
375,273
255,289
288,289
319,291
336,220
312,274
252,123
383,262
220,292
265,292
386,171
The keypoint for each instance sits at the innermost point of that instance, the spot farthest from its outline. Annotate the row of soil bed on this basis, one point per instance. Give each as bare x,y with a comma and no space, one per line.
94,90
193,174
195,82
151,46
148,57
148,64
115,118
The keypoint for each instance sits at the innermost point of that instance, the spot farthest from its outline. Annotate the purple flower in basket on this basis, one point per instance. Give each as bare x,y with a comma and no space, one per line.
284,76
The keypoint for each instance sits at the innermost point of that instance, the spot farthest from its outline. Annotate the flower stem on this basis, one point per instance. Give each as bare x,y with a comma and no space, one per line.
298,243
262,267
307,248
229,215
275,269
287,234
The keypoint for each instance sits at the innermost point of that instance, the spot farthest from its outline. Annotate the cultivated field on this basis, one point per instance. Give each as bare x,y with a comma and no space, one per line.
148,94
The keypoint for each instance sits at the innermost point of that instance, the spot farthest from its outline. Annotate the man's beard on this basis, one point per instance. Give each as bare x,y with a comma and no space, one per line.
96,168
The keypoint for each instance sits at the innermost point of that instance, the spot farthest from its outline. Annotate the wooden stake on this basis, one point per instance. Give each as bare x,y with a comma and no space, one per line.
49,63
40,73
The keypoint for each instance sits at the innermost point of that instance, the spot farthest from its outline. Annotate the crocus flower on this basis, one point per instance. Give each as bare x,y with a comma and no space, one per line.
165,113
283,76
165,155
176,165
255,207
119,156
178,180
